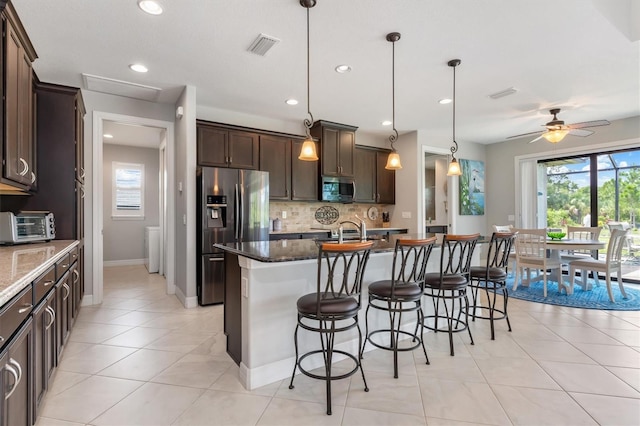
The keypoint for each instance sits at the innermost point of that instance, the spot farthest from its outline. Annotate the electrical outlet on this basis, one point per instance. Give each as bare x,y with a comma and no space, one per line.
406,215
284,215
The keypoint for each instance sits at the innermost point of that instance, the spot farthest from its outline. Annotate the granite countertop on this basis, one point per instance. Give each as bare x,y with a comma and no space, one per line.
21,264
289,250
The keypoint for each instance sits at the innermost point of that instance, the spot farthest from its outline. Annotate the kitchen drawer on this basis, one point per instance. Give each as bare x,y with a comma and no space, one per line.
62,266
15,313
42,285
73,255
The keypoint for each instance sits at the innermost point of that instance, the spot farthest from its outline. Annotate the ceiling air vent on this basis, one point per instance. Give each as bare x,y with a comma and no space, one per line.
262,44
503,93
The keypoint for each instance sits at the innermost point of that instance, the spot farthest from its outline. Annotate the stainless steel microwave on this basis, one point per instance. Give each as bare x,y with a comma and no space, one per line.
338,189
26,227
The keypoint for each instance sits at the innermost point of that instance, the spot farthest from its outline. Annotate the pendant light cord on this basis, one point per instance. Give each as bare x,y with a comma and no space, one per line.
454,63
394,135
308,122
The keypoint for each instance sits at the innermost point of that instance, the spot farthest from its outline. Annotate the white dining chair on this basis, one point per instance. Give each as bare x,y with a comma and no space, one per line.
612,264
531,253
581,233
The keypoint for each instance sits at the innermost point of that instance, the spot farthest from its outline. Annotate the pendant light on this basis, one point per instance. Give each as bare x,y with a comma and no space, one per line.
454,166
393,161
308,151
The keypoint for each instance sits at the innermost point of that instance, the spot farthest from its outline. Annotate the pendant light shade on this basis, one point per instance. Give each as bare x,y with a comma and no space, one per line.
555,136
393,161
454,166
308,151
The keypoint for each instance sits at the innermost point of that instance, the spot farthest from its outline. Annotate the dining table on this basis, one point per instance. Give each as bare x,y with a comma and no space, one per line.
555,246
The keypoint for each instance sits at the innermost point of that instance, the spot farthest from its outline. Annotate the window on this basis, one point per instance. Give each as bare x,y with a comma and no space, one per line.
127,190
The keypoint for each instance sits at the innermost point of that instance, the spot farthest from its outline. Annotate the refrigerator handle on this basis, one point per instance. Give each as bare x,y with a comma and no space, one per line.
241,211
236,211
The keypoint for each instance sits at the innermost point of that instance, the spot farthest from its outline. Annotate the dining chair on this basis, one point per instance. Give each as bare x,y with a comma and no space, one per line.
492,278
531,253
613,263
449,286
507,228
333,308
401,294
581,233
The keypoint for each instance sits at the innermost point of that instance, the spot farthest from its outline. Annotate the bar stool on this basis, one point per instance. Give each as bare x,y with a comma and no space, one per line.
333,308
450,284
492,277
405,287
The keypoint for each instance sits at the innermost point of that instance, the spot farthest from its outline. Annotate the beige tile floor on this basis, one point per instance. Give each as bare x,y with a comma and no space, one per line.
141,359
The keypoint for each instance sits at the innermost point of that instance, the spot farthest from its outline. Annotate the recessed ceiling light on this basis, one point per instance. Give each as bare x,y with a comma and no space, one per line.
444,101
107,136
386,123
291,102
138,68
343,69
150,6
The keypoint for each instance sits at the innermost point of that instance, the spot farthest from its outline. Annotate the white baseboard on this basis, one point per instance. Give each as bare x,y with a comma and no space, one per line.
125,262
187,302
87,300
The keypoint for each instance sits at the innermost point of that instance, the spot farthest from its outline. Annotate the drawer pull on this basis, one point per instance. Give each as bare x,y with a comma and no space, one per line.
48,283
1,339
65,265
25,308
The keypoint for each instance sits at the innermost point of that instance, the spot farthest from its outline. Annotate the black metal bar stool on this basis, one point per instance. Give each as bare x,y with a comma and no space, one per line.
401,294
492,278
449,286
333,308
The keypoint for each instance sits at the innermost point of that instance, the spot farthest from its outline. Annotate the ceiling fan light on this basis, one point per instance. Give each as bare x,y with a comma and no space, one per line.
393,161
454,168
308,151
555,136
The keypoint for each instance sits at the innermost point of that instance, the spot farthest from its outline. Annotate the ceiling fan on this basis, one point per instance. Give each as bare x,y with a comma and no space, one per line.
557,130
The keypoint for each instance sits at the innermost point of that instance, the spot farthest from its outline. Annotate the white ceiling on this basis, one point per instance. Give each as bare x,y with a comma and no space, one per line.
580,55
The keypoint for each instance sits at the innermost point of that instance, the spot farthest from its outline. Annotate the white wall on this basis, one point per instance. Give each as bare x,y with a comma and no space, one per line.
185,200
124,239
102,102
500,165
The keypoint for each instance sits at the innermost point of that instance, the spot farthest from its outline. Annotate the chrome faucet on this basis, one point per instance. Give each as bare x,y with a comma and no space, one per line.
361,227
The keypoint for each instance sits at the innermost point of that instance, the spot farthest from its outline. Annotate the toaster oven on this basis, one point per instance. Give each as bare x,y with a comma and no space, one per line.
26,227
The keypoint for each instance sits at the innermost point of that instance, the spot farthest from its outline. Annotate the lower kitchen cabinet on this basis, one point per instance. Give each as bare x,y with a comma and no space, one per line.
45,352
16,404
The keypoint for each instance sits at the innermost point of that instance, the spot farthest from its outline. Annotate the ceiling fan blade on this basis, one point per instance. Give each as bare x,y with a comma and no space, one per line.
526,134
536,139
581,132
595,123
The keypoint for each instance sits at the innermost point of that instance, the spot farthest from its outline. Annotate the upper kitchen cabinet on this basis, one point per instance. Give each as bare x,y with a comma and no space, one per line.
337,146
374,183
275,158
223,147
304,176
18,54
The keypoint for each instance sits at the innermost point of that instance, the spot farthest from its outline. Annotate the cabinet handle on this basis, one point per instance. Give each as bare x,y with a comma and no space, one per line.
26,167
65,265
82,173
16,373
82,190
76,274
66,287
230,159
33,177
25,308
52,313
48,283
1,339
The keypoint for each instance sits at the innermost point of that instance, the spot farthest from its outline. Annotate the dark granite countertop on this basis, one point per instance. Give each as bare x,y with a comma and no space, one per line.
289,250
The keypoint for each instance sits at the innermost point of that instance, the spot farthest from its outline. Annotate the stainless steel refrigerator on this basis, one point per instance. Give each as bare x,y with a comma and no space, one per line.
233,206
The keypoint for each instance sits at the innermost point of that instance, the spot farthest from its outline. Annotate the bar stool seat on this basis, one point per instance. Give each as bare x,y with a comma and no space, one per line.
448,282
331,306
493,273
409,292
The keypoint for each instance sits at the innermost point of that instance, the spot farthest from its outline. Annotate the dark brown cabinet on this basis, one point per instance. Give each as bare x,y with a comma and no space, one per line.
374,183
275,158
337,146
304,176
18,160
15,379
45,352
220,147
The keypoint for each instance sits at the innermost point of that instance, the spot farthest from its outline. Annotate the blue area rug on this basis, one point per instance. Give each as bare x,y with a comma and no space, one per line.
597,298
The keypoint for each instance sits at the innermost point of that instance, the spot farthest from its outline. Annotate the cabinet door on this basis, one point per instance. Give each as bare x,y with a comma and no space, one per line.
60,323
64,309
76,290
243,149
385,181
79,213
79,138
212,146
330,142
17,376
346,147
44,343
275,158
304,176
365,175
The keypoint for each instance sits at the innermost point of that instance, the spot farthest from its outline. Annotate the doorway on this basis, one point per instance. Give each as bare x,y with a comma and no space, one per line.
436,194
165,146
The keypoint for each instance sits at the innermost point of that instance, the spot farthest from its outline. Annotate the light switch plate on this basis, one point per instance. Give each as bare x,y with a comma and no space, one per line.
406,215
284,215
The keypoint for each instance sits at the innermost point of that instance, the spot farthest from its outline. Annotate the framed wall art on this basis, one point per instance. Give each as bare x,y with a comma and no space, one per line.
472,188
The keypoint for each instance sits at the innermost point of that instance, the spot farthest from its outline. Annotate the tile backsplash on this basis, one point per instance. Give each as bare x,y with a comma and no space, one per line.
301,216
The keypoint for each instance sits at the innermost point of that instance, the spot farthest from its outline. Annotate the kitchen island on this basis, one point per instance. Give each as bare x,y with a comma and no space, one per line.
263,281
